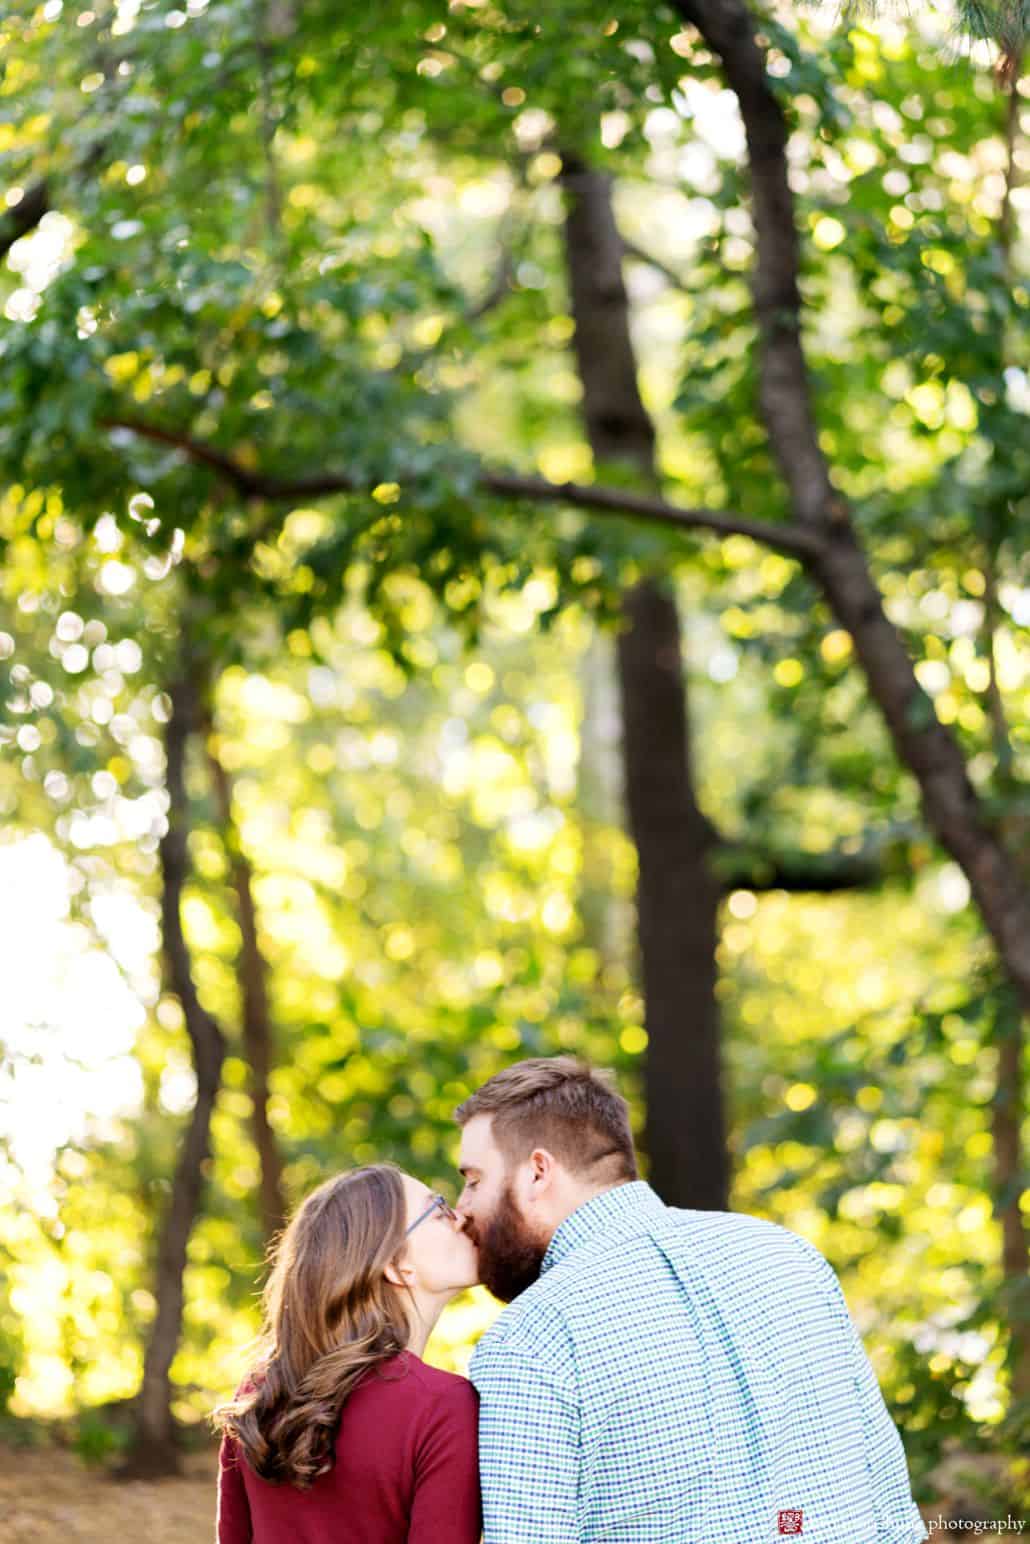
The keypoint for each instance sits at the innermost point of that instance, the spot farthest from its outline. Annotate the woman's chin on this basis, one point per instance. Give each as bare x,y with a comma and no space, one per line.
457,1289
469,1279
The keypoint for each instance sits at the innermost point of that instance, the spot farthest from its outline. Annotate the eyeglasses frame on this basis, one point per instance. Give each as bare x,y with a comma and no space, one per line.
438,1203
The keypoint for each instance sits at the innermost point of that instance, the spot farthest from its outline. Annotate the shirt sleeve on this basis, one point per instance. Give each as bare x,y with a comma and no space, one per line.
898,1519
446,1508
232,1523
529,1450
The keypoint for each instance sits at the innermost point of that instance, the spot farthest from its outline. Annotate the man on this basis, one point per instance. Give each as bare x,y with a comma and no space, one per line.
661,1376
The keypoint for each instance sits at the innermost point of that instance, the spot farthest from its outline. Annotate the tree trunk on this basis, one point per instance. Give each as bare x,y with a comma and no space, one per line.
1008,1107
677,906
677,898
839,566
152,1451
602,913
252,971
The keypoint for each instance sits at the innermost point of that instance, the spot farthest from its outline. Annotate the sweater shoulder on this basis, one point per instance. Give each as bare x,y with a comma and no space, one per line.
430,1404
406,1378
449,1389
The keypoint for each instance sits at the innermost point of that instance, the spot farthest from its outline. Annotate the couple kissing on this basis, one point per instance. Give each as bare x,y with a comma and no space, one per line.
659,1375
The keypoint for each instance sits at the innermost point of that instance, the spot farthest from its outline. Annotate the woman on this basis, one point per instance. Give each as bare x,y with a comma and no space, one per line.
341,1434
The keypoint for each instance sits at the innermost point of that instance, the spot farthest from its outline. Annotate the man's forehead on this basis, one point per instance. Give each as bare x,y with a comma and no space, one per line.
477,1144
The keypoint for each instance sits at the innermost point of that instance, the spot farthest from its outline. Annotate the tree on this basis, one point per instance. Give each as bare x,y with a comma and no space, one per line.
838,565
677,896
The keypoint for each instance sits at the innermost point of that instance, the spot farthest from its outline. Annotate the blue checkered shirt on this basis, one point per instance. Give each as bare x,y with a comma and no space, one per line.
684,1377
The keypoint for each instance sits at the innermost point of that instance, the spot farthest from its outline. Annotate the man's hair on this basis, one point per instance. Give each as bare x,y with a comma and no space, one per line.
565,1105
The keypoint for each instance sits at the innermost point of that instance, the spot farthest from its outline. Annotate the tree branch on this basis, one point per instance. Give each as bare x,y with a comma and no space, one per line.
631,250
619,501
743,867
499,289
600,500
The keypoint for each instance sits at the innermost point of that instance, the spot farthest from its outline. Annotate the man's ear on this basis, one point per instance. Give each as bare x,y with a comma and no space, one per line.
544,1166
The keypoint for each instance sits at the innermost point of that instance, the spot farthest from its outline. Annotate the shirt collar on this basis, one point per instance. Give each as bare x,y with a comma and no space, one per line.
624,1209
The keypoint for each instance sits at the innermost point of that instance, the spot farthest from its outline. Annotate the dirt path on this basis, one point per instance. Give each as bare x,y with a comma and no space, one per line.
47,1496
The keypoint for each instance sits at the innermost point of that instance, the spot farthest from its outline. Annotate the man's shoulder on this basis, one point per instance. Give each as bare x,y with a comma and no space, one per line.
731,1224
706,1237
544,1321
750,1250
533,1330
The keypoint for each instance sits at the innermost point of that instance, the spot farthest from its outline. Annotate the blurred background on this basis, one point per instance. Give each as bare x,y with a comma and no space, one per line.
345,759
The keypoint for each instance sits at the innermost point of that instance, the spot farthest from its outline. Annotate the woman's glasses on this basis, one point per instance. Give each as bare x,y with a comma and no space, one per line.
438,1204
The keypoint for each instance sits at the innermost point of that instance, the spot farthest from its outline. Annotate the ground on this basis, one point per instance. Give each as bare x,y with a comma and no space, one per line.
48,1496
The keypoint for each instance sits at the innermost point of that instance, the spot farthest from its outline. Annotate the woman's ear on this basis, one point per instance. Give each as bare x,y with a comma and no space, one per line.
399,1274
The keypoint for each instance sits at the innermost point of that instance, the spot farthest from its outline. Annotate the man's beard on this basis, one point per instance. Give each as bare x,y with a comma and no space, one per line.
509,1256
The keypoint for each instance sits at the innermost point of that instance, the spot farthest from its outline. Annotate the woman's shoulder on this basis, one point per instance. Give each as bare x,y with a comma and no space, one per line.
450,1405
406,1373
444,1385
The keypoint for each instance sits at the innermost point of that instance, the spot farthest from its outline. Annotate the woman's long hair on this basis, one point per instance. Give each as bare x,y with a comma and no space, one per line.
329,1315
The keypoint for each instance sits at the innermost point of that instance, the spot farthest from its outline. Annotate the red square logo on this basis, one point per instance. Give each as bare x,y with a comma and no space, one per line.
790,1520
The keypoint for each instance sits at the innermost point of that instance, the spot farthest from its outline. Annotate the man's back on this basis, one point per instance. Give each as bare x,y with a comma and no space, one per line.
684,1377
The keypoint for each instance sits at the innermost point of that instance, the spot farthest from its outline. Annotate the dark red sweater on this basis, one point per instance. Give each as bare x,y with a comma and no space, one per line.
406,1470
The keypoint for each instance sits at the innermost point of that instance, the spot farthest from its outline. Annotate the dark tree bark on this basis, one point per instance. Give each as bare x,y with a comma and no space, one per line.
677,909
152,1451
677,897
252,971
25,215
839,566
